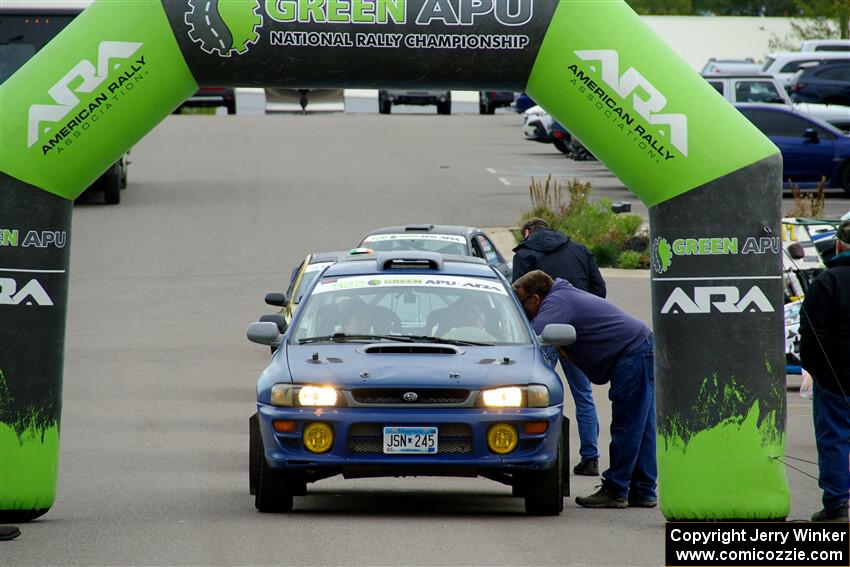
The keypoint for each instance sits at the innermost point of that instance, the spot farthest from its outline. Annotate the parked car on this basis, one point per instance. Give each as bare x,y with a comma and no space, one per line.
211,97
828,84
716,66
811,149
410,364
489,101
388,98
785,65
761,88
826,45
443,239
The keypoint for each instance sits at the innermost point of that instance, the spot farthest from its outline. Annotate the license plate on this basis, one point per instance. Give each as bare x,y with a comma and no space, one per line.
410,440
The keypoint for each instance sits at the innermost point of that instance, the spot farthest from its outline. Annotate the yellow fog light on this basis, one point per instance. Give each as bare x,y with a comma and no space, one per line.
502,438
318,437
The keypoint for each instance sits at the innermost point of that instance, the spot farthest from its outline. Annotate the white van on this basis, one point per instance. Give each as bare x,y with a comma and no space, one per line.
785,65
826,45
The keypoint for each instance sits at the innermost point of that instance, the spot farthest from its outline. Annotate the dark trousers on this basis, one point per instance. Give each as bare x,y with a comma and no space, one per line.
832,435
633,470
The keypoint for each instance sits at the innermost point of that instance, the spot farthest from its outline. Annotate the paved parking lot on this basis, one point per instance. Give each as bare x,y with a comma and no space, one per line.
159,379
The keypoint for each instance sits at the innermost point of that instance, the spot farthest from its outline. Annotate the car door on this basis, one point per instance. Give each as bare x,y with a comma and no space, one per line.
483,248
805,160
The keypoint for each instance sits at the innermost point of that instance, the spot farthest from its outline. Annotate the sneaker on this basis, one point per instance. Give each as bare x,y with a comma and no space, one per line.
837,515
602,499
587,467
643,502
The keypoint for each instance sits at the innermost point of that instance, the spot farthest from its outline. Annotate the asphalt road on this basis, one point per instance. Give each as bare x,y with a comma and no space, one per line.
160,381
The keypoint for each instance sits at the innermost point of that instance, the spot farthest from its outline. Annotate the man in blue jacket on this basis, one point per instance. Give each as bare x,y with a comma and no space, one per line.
611,347
560,257
825,354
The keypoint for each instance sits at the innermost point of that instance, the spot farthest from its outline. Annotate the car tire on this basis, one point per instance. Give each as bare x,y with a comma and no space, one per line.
444,107
385,106
255,451
562,147
274,488
544,490
845,179
111,189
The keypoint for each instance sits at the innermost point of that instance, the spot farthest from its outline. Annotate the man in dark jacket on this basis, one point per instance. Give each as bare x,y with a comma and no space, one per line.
611,346
559,256
555,254
825,354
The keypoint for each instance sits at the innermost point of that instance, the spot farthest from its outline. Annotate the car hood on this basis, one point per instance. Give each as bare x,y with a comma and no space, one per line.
358,365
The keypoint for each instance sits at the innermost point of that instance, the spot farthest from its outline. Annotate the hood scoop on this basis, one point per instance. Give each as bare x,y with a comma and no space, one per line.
411,348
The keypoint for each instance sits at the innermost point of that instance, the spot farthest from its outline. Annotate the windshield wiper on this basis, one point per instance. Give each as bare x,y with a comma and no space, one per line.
342,337
456,342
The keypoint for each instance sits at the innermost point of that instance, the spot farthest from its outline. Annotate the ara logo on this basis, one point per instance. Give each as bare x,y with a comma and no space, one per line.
225,27
722,299
31,294
650,108
87,78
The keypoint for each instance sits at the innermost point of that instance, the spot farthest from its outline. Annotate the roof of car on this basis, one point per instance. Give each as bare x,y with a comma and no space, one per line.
367,264
425,229
737,76
790,110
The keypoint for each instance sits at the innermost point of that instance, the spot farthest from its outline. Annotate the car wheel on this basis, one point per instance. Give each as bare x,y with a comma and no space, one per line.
274,488
444,107
544,490
111,189
845,179
384,106
562,146
482,108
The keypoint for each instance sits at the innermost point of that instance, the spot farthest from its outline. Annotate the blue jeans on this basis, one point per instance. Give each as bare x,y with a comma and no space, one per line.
832,435
633,470
588,423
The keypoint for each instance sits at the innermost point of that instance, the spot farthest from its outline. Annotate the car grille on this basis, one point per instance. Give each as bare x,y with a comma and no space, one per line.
368,438
396,396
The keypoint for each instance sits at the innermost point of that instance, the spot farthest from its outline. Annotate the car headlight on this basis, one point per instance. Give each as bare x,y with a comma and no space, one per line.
287,395
510,397
532,396
538,396
317,396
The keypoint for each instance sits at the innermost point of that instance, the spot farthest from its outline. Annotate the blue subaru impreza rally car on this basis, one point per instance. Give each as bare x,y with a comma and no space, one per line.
409,364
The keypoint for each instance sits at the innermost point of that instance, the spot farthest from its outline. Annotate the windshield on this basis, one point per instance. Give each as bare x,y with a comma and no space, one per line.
21,36
440,243
449,307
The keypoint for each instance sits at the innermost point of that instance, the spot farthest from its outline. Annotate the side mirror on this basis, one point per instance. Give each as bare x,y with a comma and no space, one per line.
277,299
557,335
796,251
277,319
811,136
263,333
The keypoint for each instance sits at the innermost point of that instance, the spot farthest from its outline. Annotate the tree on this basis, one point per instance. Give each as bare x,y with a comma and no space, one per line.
836,10
662,7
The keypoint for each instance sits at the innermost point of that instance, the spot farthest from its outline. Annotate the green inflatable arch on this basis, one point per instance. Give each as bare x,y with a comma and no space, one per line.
124,65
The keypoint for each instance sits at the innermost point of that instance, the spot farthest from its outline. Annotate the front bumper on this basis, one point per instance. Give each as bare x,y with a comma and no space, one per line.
533,452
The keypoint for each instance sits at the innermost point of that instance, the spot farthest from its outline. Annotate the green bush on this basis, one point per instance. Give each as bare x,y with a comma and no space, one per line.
567,207
629,260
